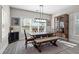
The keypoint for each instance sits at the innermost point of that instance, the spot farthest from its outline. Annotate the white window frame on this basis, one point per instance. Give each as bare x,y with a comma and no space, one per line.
74,26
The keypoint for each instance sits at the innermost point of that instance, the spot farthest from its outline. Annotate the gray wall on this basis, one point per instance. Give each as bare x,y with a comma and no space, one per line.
20,13
5,27
71,12
28,14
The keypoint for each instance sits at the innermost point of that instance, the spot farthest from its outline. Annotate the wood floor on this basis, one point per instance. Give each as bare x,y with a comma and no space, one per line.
19,48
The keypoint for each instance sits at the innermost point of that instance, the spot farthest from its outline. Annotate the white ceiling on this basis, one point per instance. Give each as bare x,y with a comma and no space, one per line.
49,9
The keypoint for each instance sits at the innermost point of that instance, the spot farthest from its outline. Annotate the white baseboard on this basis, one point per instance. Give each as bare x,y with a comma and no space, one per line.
75,41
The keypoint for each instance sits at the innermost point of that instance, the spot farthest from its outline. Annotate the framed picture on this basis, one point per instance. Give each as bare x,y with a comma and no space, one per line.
15,21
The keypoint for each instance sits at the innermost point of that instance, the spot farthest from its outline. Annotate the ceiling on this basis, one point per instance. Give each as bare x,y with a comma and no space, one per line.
48,9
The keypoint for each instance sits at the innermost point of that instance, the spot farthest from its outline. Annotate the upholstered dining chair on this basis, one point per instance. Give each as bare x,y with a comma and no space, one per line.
31,38
25,38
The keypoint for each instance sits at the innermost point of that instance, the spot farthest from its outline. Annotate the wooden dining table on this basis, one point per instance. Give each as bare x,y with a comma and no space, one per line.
39,39
39,35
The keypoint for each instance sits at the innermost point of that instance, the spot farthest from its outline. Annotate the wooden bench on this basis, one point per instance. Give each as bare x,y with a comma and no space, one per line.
38,42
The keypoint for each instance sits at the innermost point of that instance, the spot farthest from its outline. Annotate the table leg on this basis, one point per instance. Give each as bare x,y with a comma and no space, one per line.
37,47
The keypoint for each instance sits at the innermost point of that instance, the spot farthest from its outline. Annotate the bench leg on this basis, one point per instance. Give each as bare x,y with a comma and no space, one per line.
54,43
37,47
26,44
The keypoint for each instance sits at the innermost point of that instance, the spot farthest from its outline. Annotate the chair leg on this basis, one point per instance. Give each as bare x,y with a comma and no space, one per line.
26,44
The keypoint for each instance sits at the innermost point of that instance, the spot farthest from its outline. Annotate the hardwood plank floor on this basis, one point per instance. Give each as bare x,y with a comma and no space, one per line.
19,48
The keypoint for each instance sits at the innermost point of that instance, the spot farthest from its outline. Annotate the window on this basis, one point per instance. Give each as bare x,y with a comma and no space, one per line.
34,25
77,25
26,24
38,26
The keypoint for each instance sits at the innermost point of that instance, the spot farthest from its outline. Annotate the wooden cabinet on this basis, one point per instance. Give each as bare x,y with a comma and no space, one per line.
61,25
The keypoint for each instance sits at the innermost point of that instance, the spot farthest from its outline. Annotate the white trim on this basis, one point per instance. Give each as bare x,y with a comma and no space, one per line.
3,49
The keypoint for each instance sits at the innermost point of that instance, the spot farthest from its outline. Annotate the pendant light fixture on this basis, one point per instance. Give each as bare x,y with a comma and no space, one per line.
41,12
